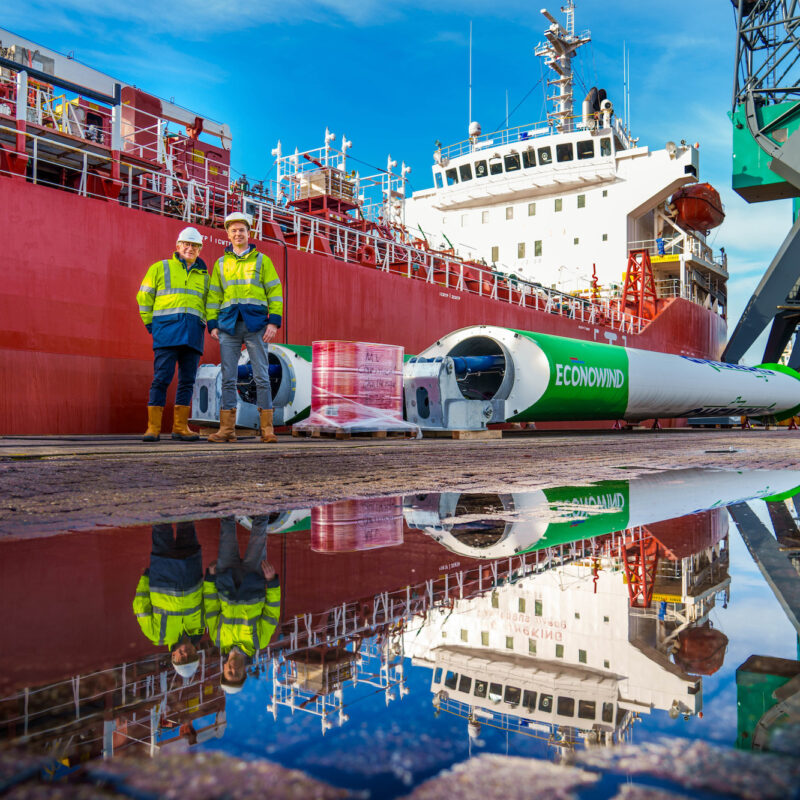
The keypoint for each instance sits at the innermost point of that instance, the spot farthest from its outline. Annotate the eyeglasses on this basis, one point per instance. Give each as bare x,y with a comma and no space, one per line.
193,245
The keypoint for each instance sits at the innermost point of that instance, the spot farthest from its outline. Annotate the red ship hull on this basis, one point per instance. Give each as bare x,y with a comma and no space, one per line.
79,361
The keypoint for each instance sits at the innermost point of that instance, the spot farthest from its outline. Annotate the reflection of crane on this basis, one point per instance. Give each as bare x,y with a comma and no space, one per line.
766,160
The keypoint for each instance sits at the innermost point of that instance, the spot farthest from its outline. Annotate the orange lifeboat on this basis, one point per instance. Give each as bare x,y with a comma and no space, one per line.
701,651
699,207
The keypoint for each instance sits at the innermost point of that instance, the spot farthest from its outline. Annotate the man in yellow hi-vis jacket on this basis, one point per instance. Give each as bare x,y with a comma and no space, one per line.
242,600
172,305
245,306
169,596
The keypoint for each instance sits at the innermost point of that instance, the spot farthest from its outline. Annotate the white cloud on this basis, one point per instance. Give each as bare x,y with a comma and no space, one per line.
203,21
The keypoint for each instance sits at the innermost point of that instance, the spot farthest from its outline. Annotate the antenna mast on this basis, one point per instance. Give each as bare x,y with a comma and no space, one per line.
469,120
558,52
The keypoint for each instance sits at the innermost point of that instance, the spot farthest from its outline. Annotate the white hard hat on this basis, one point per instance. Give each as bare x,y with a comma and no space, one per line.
190,235
237,216
232,689
187,670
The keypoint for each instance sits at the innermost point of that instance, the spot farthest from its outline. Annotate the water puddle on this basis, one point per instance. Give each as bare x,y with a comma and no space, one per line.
373,643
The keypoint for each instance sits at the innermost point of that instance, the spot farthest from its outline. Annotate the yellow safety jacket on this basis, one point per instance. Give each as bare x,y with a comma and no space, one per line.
246,286
163,617
248,625
172,302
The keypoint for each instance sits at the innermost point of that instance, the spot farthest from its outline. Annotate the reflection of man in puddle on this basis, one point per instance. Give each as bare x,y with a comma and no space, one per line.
169,596
242,600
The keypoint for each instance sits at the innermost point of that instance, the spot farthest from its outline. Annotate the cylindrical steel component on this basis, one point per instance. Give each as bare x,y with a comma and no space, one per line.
554,378
525,521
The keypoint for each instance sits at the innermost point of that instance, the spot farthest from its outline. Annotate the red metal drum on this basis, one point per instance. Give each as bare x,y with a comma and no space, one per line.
351,525
356,381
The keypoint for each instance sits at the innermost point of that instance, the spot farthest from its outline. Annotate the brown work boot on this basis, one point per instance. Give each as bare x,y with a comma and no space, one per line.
227,426
180,425
153,432
267,432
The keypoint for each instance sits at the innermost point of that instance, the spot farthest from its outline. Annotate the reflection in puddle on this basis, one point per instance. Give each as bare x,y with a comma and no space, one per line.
418,629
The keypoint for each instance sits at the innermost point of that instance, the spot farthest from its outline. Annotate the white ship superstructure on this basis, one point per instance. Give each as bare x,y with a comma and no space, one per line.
555,203
561,654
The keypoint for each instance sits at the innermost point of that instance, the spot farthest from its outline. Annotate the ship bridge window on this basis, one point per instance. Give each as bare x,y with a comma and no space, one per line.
545,702
512,162
565,707
529,700
481,170
564,152
437,675
495,166
585,149
437,179
512,695
452,177
545,156
608,712
451,679
495,692
465,684
481,687
529,158
465,171
605,146
587,709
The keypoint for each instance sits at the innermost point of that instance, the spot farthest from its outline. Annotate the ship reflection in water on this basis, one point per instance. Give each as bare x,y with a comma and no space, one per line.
373,643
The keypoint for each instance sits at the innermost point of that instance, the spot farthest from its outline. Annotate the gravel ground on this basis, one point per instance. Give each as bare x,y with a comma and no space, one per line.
52,485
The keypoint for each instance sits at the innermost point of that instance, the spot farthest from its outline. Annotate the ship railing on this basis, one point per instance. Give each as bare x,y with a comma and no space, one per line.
670,287
398,607
682,244
524,133
125,687
197,201
83,695
520,133
435,267
511,723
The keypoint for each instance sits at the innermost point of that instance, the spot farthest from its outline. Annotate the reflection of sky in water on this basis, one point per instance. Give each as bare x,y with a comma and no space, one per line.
378,748
392,748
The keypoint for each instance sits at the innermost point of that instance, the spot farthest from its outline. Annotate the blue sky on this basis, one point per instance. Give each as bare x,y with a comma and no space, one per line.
393,78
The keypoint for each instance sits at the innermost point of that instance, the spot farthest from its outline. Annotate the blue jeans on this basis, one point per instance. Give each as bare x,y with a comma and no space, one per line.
230,348
180,543
164,360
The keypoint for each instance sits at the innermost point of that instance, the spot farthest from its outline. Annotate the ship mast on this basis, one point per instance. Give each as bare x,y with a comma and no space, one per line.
558,52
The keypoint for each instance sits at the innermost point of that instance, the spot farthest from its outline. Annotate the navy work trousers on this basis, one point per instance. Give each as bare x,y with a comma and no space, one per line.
164,360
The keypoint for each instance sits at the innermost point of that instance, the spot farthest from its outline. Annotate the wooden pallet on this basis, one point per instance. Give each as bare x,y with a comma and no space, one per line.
458,434
326,432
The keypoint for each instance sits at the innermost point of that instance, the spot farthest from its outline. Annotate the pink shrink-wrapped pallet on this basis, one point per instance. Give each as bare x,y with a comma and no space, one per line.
356,387
354,525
